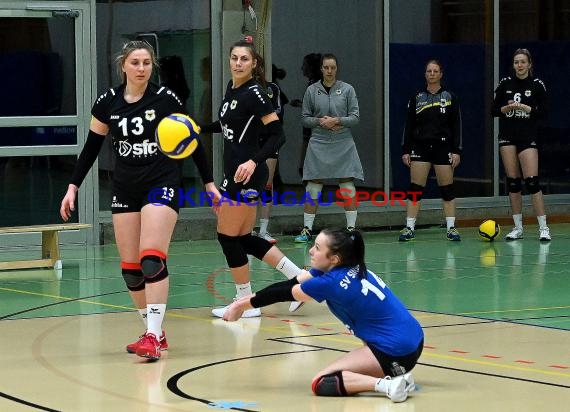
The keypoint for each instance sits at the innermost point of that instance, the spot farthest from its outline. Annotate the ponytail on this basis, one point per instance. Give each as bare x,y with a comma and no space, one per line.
349,246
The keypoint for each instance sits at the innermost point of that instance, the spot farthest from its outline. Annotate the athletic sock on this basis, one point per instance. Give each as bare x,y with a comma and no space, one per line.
154,316
450,221
263,223
288,268
142,313
243,289
411,222
518,219
382,385
541,221
350,217
308,220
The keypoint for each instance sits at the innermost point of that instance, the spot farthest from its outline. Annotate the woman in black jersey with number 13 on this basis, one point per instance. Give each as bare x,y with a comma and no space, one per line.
145,185
245,112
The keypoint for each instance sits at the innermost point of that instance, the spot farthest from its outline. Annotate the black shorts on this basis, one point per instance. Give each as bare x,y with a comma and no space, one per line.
249,192
521,144
434,153
262,139
397,365
131,198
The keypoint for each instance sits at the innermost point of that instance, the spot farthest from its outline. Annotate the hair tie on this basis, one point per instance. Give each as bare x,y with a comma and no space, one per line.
248,39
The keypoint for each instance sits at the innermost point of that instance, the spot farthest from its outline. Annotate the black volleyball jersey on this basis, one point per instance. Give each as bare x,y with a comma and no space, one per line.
132,127
240,119
274,93
517,124
433,118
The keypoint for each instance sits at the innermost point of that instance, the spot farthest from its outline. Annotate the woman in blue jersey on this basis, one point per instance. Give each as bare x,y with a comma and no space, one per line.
392,337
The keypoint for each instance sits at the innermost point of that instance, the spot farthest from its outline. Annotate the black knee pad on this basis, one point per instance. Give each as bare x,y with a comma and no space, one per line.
447,192
233,250
153,265
329,385
133,276
532,184
255,246
418,192
514,184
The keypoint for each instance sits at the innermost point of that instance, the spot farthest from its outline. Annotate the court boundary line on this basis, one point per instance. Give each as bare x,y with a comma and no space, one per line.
172,383
27,403
279,340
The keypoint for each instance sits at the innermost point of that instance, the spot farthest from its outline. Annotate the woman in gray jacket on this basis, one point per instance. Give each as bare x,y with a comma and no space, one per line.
330,109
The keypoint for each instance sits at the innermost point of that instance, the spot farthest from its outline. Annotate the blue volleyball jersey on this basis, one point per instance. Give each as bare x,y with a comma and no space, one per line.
368,308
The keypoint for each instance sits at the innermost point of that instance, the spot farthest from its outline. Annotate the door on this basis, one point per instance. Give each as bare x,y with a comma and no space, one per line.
47,71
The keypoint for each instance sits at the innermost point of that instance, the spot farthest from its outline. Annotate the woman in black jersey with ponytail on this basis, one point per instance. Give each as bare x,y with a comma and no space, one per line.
520,104
246,111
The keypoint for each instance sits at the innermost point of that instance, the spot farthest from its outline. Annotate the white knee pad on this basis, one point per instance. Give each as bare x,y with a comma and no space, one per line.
350,190
314,189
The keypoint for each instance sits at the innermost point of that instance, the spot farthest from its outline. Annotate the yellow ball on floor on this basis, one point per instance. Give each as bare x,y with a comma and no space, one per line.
489,230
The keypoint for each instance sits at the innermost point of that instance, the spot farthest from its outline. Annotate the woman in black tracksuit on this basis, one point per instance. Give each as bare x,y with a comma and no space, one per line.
520,103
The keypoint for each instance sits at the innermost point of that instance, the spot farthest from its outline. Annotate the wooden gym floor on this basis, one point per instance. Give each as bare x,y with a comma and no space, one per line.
495,315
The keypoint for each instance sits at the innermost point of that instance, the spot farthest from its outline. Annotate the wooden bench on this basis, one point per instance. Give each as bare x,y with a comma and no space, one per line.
50,245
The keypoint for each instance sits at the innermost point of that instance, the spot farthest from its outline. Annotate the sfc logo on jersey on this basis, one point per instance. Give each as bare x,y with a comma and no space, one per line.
150,115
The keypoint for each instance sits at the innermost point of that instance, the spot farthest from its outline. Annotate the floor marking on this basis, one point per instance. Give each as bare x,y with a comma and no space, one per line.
172,383
210,286
339,335
230,404
23,402
511,310
463,355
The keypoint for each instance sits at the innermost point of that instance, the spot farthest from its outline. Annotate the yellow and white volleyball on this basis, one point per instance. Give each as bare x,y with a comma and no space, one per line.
489,230
177,135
